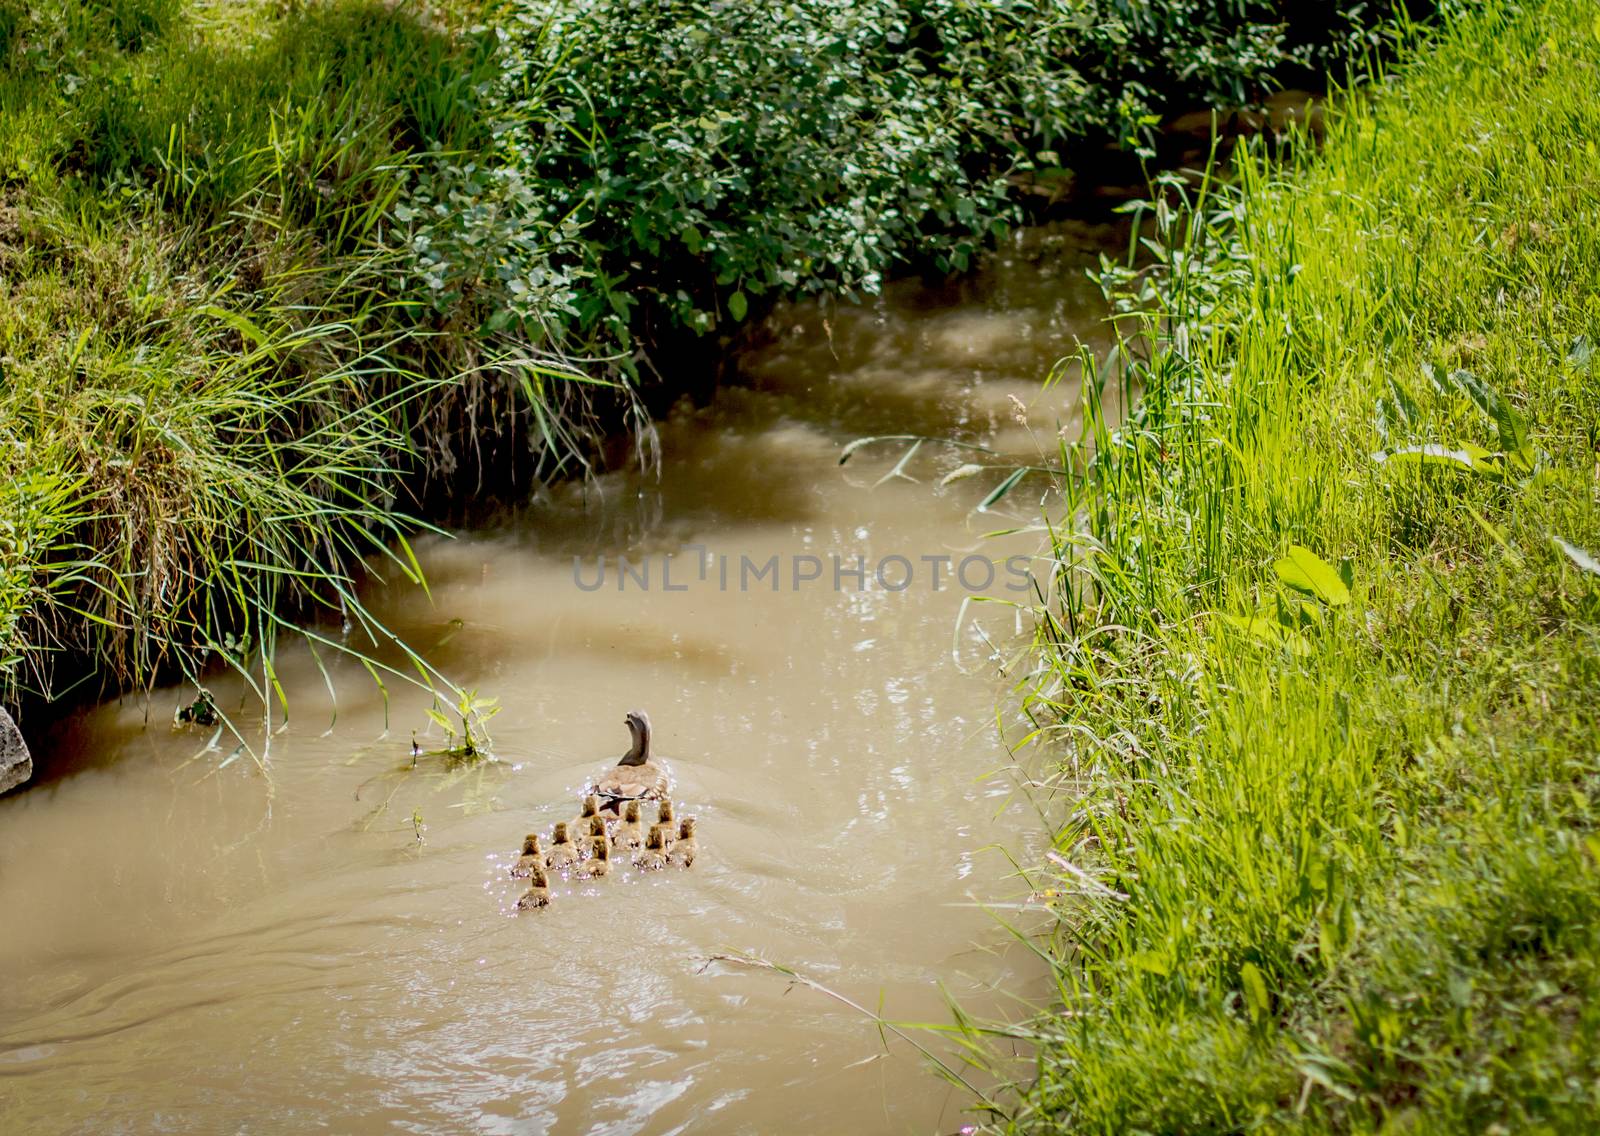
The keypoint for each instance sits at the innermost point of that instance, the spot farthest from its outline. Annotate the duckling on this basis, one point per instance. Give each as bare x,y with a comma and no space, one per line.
668,824
563,853
653,857
599,861
636,776
538,893
597,828
579,827
629,833
532,856
684,848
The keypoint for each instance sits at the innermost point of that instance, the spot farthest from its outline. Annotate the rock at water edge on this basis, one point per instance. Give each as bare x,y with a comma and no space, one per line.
16,763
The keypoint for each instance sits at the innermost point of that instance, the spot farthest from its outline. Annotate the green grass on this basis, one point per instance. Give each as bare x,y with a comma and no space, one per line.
218,389
1342,825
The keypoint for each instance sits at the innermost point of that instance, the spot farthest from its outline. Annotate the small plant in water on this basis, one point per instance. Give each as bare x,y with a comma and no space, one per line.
467,738
417,826
201,712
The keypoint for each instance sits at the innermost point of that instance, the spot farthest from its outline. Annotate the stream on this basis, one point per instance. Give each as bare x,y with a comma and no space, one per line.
193,945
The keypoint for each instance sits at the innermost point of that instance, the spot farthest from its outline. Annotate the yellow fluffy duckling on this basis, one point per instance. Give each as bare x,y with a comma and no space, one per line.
563,853
532,856
579,826
629,833
665,816
684,848
599,862
538,893
653,857
597,828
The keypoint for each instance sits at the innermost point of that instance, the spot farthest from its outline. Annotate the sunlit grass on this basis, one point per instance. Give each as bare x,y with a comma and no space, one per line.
220,382
1345,843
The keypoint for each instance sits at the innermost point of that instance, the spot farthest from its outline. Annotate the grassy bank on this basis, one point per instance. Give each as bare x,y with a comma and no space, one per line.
212,386
1325,660
275,274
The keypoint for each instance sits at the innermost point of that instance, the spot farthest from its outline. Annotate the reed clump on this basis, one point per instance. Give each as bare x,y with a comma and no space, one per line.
218,397
1321,654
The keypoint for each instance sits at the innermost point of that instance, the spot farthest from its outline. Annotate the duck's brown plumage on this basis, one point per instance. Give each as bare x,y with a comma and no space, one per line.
637,776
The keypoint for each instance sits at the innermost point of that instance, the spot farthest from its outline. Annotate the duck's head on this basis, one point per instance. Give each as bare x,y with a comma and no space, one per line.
632,813
561,832
538,879
666,812
639,727
655,840
591,805
597,826
530,844
686,828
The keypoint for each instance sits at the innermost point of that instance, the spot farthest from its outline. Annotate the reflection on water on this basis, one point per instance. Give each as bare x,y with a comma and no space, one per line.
191,948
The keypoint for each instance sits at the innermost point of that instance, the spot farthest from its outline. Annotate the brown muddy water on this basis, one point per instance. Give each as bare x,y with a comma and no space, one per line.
189,945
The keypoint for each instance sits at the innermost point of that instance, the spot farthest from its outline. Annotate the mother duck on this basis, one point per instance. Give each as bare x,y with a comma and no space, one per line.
637,777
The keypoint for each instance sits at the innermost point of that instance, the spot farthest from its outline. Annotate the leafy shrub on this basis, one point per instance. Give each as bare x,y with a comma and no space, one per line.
715,152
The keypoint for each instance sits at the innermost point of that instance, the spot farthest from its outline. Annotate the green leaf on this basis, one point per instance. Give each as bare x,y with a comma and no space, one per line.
1494,533
1485,462
1468,456
1150,962
1264,627
1255,991
1002,489
1305,570
1295,612
1387,413
1439,385
1405,405
1256,626
1430,454
738,305
239,322
1509,425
